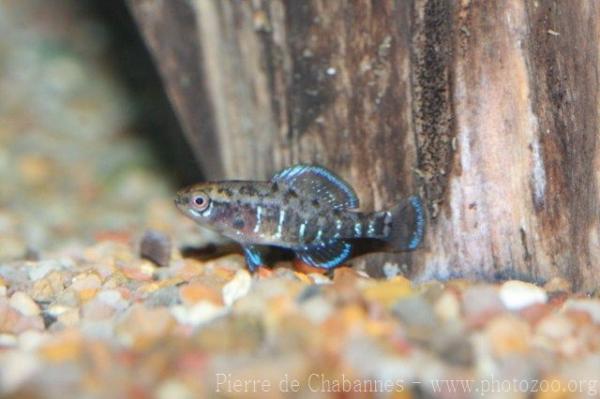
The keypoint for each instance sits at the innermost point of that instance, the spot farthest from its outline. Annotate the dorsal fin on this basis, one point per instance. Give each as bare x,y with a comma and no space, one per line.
321,182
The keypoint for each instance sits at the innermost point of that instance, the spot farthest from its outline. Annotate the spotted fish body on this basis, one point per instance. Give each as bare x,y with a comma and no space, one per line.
305,208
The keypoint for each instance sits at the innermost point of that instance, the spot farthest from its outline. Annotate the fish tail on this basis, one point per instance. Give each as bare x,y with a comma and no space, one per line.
373,225
406,224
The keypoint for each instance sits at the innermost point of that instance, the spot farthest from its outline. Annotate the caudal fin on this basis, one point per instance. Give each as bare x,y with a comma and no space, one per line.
407,225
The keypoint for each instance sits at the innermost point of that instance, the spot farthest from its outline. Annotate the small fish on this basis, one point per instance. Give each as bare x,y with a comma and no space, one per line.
305,208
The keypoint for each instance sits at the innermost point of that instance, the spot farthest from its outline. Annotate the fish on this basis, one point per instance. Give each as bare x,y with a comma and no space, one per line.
305,208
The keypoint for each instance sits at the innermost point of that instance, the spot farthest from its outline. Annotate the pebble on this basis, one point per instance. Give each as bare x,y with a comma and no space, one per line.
48,287
508,335
201,313
8,340
317,309
30,340
86,281
553,330
415,311
345,276
96,309
174,389
144,271
589,306
309,292
141,326
64,347
447,307
196,292
17,368
237,288
516,295
319,278
69,318
113,298
388,292
23,303
534,313
38,270
67,298
480,303
167,296
156,247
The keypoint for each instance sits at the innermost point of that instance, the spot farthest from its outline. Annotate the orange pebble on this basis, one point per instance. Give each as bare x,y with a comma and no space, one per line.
306,268
196,292
263,272
123,237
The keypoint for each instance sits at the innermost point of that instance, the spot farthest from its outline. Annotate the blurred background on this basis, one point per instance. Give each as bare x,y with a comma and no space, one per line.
89,145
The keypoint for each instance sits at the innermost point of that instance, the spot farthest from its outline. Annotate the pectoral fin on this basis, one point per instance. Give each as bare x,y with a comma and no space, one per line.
254,256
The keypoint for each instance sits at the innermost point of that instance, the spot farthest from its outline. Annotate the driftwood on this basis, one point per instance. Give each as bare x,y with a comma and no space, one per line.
489,109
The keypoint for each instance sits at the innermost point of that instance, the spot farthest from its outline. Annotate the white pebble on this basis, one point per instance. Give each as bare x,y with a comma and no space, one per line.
317,309
113,298
447,307
319,278
174,389
516,295
38,270
31,340
201,313
331,71
85,282
237,288
57,310
23,303
8,340
17,368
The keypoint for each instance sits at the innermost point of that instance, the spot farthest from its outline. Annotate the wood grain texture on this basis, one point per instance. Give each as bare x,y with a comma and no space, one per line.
489,109
170,31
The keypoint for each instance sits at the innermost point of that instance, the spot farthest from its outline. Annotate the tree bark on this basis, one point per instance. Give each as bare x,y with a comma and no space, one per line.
490,110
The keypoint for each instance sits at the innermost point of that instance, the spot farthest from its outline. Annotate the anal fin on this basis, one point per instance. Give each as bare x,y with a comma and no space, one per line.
325,255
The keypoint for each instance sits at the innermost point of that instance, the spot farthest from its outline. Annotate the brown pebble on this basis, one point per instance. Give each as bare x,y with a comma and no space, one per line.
156,247
345,276
536,312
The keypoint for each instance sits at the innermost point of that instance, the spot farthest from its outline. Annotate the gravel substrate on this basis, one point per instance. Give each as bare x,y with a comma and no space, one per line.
105,323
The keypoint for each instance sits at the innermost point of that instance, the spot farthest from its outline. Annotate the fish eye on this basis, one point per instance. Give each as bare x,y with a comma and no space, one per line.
200,201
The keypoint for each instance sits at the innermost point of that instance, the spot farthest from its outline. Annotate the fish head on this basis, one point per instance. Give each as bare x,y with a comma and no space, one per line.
213,205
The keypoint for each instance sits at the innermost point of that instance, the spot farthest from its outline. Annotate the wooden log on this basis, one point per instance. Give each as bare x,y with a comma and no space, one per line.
489,109
169,27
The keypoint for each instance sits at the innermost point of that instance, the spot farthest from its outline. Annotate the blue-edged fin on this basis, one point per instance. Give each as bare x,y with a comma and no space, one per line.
325,255
254,257
316,181
407,224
